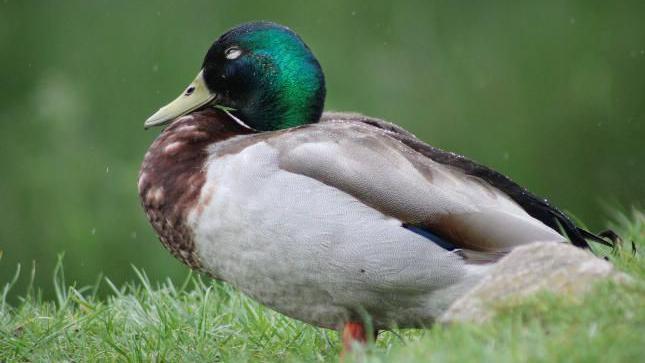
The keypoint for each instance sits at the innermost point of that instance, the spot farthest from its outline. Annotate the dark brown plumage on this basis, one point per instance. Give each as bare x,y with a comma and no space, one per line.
172,176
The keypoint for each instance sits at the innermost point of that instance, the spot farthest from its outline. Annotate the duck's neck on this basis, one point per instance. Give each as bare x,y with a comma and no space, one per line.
172,175
282,109
283,101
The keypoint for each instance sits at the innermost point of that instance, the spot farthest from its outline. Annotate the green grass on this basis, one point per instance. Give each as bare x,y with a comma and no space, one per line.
209,321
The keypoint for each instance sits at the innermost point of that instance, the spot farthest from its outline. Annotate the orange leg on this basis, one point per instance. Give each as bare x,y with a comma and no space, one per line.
354,332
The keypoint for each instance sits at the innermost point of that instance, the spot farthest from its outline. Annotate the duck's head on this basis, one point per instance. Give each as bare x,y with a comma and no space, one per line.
262,73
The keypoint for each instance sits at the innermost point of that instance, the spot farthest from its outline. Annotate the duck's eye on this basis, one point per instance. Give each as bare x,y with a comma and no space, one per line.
189,90
232,53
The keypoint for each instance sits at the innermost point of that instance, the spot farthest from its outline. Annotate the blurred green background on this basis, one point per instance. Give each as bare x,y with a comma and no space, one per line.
551,93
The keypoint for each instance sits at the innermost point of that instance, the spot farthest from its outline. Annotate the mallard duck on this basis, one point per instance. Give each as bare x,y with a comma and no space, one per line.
328,218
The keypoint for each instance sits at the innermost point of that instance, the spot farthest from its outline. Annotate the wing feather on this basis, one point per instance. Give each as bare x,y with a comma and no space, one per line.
367,162
537,207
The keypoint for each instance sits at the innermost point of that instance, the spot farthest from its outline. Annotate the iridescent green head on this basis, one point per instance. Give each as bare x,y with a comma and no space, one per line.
263,72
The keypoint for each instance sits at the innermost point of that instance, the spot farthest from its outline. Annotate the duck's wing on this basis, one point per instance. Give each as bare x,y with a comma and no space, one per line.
535,206
429,191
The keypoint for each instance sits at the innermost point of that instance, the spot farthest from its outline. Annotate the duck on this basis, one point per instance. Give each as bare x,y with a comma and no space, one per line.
339,220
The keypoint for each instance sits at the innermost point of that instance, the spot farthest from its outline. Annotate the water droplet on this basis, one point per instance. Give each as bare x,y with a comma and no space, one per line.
107,170
133,235
93,231
572,20
155,68
353,12
506,155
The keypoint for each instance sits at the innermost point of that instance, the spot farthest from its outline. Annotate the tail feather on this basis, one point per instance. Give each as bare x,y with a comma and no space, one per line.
579,236
608,238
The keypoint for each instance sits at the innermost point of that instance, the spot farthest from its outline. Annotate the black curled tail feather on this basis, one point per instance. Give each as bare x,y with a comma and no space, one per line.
578,236
608,238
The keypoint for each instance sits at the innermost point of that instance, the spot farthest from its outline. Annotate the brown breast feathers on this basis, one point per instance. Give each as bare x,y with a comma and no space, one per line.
173,173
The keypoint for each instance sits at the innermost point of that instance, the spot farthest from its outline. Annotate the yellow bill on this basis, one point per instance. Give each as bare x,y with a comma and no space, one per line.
195,96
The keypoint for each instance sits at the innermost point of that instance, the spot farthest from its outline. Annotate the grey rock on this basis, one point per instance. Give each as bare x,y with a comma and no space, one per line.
558,268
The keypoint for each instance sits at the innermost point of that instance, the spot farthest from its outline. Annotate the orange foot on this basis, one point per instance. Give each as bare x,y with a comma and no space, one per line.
354,332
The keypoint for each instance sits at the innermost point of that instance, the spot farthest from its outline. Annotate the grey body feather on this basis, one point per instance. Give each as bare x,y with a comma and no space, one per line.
309,222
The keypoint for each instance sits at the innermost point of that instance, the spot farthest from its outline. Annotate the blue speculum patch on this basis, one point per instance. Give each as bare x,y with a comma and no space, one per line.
426,233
